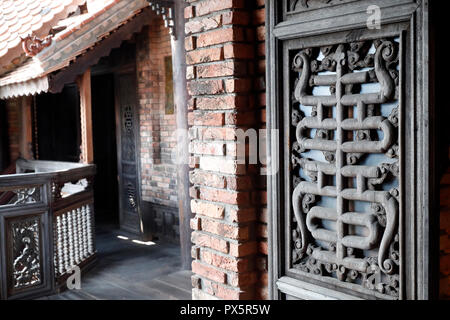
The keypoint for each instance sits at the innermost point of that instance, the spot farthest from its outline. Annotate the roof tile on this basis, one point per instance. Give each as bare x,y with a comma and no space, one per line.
20,18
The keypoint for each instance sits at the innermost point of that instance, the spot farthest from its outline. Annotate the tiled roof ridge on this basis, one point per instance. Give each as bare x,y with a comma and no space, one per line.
20,18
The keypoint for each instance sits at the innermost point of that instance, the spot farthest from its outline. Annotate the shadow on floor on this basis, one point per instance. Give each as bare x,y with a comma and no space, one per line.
127,270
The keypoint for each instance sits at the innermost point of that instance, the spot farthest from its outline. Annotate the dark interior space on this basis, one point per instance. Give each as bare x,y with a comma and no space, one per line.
58,125
105,150
4,145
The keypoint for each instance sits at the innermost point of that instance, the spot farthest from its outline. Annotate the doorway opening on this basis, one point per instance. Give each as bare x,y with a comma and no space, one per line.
136,261
105,150
57,125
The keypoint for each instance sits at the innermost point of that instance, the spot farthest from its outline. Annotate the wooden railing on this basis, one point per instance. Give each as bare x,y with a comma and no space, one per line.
5,197
46,228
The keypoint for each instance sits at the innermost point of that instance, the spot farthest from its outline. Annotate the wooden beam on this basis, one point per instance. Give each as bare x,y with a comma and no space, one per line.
102,49
26,136
87,146
180,100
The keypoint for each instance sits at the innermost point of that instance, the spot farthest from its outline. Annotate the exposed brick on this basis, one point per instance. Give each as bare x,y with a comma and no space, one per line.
195,224
208,272
225,102
207,209
219,36
217,134
190,72
198,294
229,293
240,119
194,192
259,16
263,247
261,33
189,12
242,215
225,230
225,196
239,51
156,127
242,279
235,17
242,249
262,293
227,88
204,24
445,265
239,183
260,3
195,252
222,69
207,119
204,55
222,165
205,87
204,240
190,43
207,179
196,282
224,262
238,85
209,6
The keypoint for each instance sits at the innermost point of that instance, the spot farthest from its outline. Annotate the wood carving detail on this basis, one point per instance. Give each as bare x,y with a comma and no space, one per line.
303,5
27,196
32,45
166,9
26,253
345,161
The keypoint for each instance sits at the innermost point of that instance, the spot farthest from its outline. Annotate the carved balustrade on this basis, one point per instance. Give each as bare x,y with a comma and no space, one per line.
46,228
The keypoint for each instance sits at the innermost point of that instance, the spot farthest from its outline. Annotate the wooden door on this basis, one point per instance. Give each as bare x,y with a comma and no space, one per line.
350,191
127,131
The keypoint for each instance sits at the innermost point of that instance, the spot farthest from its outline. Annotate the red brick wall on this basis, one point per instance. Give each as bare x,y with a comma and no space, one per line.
225,76
444,285
157,127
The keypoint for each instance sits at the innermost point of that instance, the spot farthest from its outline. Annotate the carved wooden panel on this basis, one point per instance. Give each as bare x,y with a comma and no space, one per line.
127,135
26,253
25,258
345,163
349,140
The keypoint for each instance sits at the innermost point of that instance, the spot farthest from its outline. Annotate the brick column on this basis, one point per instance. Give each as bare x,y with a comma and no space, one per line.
444,281
221,73
260,195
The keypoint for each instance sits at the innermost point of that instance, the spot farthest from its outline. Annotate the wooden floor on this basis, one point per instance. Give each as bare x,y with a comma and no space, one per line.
131,271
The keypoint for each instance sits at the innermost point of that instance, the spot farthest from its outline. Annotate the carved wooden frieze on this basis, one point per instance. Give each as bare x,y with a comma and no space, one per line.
345,164
27,196
304,5
165,8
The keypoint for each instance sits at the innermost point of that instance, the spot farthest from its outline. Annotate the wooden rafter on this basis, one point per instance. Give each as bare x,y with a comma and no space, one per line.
102,49
87,147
